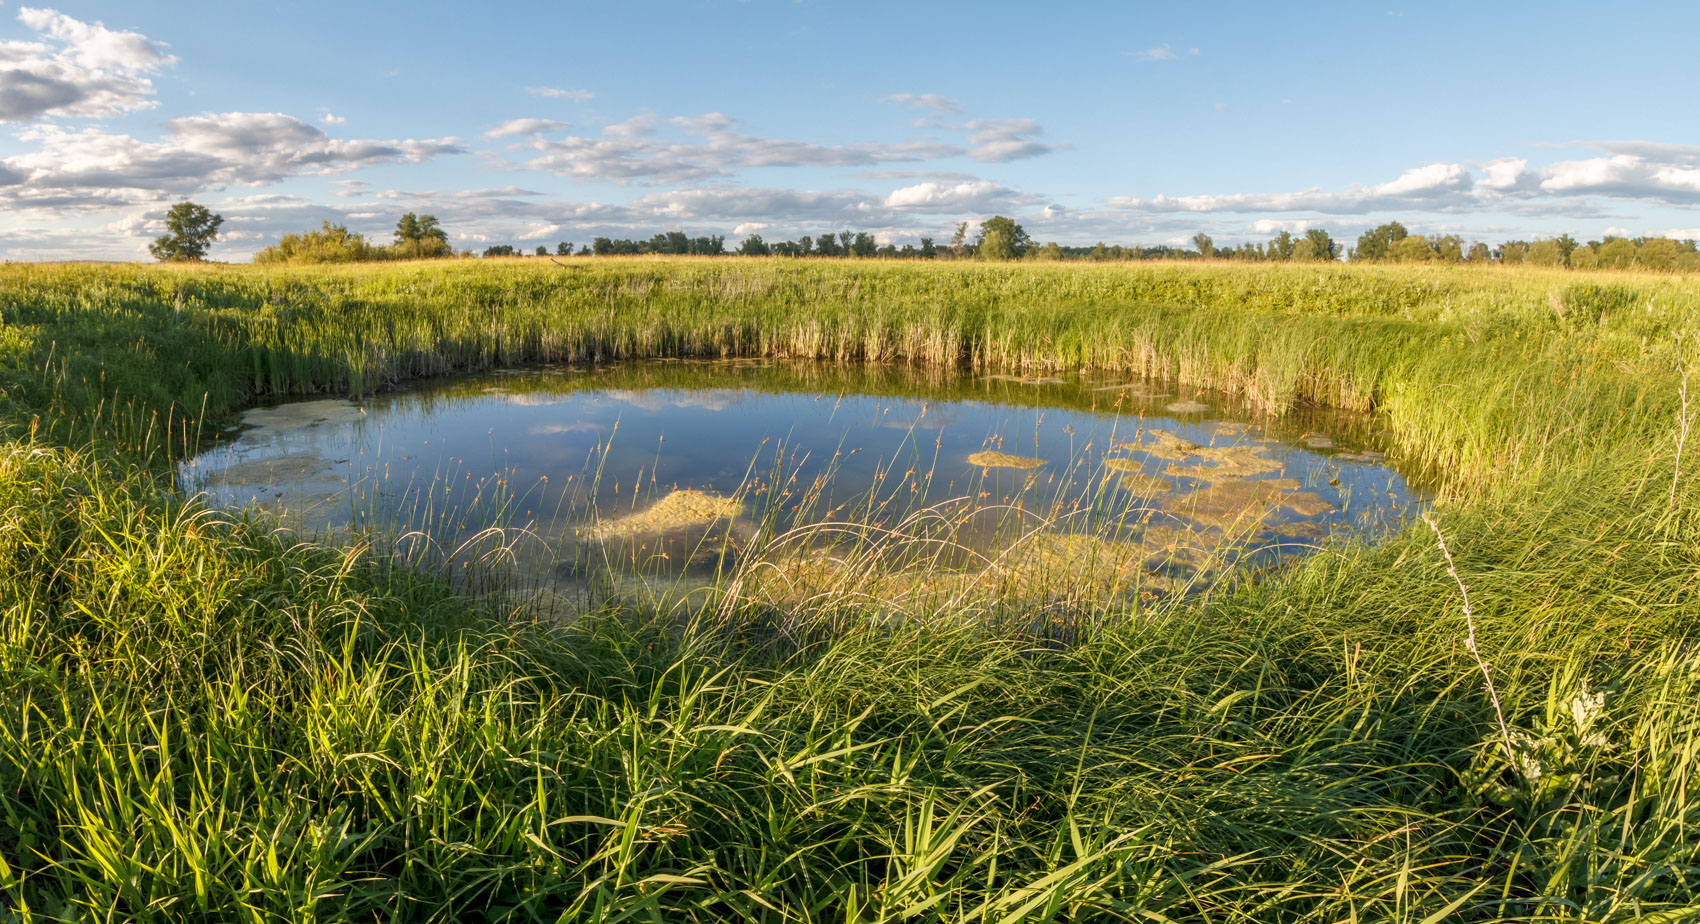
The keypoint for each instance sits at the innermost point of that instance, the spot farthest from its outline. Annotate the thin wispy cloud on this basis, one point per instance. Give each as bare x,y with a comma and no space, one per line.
927,102
559,93
1163,52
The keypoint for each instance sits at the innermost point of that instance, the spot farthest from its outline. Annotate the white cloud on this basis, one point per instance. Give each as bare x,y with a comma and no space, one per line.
927,102
977,196
1161,52
1683,234
558,93
525,127
1663,174
997,140
332,119
92,169
81,69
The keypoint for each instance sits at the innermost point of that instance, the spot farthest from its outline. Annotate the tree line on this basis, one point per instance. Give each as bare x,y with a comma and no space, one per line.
192,228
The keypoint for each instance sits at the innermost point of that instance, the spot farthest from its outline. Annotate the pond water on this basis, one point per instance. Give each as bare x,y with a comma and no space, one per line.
809,484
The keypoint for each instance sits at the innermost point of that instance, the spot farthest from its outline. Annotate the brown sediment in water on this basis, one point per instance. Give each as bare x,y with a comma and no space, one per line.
1187,407
1367,455
685,507
1023,379
993,459
1317,441
1233,506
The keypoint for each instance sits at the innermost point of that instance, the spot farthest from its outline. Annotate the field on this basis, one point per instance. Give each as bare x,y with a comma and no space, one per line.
205,720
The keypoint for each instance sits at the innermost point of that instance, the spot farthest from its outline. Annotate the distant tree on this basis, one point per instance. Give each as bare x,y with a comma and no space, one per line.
499,250
826,245
1479,253
603,246
192,228
418,236
1615,252
805,245
542,251
330,244
584,250
754,246
959,240
928,251
1376,243
863,245
564,249
844,239
1316,246
1206,247
1001,239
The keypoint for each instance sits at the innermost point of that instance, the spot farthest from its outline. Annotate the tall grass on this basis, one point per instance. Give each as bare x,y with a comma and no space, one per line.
204,720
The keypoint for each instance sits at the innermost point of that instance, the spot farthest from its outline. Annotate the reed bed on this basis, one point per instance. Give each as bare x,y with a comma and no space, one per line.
205,719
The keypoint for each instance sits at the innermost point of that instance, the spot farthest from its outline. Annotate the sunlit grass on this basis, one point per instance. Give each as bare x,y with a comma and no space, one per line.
204,719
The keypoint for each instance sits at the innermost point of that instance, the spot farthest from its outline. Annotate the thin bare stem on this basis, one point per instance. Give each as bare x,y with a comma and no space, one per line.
1470,640
1681,432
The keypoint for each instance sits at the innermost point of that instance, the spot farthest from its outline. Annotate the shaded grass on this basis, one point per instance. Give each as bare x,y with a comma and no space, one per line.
203,720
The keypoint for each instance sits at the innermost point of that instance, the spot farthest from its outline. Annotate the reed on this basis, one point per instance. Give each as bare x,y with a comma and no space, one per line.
205,719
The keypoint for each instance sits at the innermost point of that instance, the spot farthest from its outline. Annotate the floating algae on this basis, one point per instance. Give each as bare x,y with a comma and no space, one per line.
1220,462
1044,567
1134,478
1161,444
1243,460
991,459
1024,379
1245,505
298,469
1133,390
302,414
1317,441
1187,407
681,508
1368,455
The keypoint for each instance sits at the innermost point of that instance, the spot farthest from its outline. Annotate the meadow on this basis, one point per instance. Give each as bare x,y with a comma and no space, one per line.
205,719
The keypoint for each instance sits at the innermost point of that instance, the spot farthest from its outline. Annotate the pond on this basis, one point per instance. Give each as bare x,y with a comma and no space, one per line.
873,487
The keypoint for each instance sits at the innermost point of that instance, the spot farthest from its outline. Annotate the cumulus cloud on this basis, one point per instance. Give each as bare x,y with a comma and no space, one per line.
978,196
78,69
332,119
92,168
712,146
558,93
1507,184
926,102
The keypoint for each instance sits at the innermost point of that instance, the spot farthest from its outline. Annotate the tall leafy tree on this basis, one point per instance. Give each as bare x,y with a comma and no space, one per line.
420,236
1206,246
192,228
1002,239
1377,243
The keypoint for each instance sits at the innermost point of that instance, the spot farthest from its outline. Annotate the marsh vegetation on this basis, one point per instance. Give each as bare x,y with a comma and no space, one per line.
208,718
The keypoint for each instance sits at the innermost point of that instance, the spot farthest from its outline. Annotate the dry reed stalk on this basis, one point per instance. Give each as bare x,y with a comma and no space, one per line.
1470,640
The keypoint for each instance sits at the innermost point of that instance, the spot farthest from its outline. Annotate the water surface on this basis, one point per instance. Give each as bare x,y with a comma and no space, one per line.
797,484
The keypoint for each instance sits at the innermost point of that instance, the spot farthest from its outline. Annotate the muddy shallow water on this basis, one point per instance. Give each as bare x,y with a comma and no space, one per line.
803,484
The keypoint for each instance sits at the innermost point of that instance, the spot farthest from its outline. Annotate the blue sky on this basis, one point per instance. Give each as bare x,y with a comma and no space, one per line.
536,123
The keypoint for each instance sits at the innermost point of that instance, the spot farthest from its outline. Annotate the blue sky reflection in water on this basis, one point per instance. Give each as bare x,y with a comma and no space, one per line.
565,472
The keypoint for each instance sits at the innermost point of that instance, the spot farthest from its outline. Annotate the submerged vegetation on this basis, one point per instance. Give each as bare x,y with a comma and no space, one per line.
205,719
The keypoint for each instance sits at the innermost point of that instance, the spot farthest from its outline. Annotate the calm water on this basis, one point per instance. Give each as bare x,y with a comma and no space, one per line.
681,471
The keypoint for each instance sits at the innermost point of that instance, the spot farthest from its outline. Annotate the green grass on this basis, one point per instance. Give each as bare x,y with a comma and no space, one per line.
201,720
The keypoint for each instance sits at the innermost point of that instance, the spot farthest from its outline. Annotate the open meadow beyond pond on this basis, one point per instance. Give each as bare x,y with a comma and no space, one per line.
1419,645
